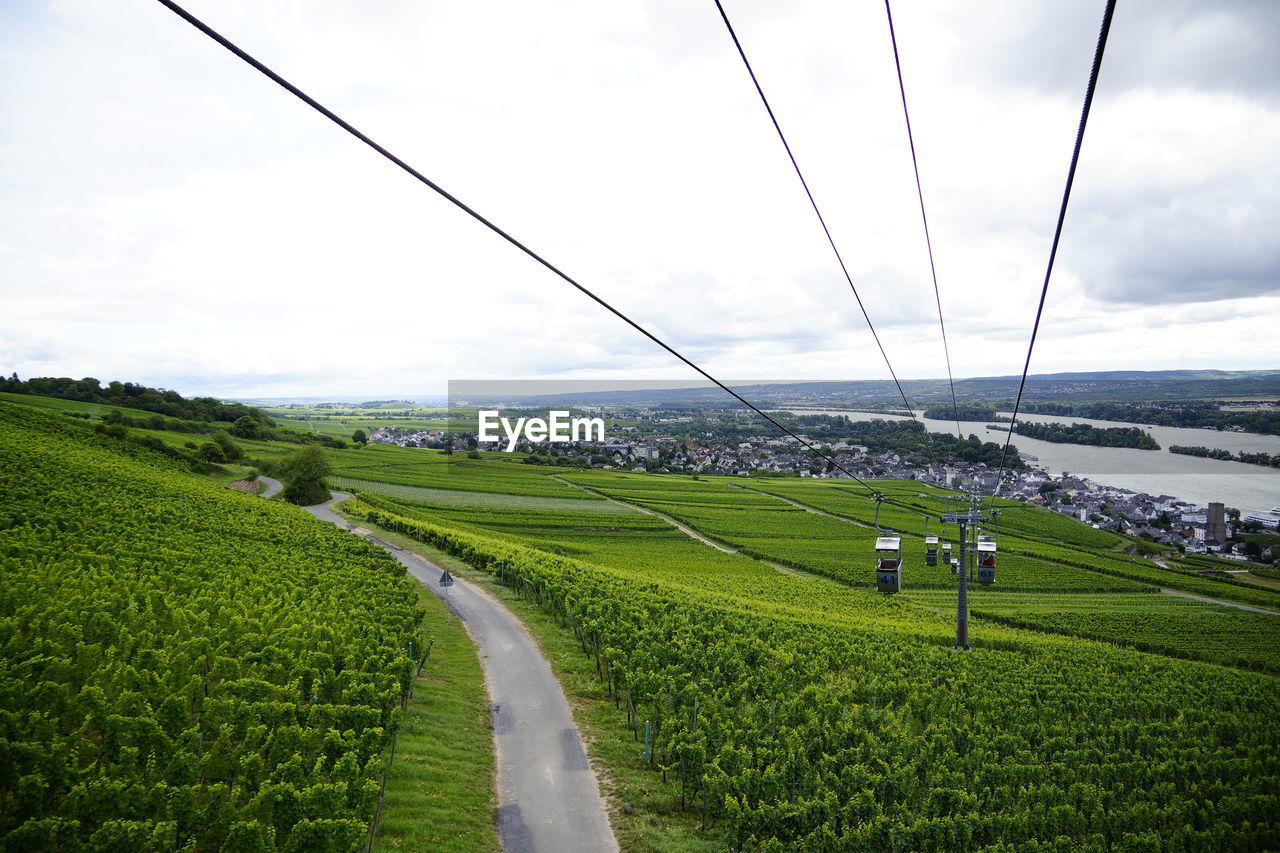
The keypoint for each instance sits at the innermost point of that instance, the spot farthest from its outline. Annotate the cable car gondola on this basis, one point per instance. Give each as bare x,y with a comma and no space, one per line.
930,544
888,564
931,550
986,561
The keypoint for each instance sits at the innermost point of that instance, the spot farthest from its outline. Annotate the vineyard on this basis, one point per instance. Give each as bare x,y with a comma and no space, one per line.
185,667
802,711
460,497
216,671
494,474
799,713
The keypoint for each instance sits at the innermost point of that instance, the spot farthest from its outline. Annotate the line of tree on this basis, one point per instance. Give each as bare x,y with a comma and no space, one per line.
133,396
907,439
244,427
203,457
1270,459
966,412
1171,413
1087,434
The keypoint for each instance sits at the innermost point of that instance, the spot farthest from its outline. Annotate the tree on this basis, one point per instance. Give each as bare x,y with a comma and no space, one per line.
359,437
303,473
246,427
230,450
211,452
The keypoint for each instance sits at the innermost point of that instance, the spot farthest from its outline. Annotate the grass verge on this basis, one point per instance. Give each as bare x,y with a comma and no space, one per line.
440,790
643,811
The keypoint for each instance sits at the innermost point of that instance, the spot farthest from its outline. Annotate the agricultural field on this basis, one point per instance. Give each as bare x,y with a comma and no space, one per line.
456,497
186,667
1162,624
636,544
1045,550
342,422
54,404
498,473
789,706
766,690
753,520
797,710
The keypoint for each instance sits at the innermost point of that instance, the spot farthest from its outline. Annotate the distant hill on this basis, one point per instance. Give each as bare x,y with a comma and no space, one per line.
1126,385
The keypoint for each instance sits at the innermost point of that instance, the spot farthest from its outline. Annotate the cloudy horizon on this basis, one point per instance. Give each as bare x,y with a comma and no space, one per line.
173,218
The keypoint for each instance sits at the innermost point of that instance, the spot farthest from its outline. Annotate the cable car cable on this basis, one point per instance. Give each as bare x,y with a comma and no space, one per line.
821,220
1057,232
336,119
924,218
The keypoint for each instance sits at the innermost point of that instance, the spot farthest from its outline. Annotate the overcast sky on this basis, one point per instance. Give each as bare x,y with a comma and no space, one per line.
170,216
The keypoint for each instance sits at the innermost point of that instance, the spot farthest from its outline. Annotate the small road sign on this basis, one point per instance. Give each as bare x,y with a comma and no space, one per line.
446,579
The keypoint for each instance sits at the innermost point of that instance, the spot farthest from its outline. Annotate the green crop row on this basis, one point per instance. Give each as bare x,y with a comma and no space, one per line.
185,667
1219,635
764,526
569,500
790,729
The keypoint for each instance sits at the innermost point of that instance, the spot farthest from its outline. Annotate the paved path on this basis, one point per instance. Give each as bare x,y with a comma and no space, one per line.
548,799
1217,601
272,487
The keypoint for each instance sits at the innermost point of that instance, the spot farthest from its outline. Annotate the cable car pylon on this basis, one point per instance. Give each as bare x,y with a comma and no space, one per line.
964,517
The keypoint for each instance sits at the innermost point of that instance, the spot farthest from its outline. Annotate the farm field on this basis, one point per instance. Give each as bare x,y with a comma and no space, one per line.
496,473
186,666
1078,681
457,497
759,524
341,423
788,705
1167,625
58,405
1046,546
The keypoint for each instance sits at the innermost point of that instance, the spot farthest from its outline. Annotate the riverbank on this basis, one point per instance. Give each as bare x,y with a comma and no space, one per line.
1251,488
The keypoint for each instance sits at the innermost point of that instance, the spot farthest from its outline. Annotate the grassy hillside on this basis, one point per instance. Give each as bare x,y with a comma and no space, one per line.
96,410
184,666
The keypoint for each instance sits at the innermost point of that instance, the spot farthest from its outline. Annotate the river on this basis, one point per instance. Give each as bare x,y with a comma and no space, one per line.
1252,488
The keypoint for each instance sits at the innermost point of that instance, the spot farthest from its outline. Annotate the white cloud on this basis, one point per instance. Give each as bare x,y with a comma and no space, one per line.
170,216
